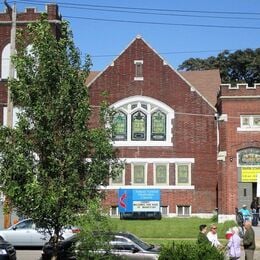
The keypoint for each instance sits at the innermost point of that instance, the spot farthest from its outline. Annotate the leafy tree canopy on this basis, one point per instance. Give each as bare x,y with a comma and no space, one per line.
52,163
239,66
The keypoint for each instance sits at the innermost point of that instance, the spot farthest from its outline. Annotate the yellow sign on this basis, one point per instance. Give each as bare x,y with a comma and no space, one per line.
249,174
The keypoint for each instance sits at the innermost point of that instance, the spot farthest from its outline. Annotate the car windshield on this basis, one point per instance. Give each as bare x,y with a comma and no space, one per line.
139,242
25,224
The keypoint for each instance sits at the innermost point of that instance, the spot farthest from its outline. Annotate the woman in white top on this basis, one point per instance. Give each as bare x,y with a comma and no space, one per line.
213,236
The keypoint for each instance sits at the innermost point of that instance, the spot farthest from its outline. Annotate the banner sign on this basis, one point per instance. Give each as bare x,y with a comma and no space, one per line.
136,200
258,186
249,174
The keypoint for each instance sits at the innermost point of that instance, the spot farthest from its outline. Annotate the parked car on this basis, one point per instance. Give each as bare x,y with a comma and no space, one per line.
25,233
7,251
123,245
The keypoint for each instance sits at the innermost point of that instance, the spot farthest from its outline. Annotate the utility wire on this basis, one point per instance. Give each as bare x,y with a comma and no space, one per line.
101,8
164,23
149,22
145,9
178,52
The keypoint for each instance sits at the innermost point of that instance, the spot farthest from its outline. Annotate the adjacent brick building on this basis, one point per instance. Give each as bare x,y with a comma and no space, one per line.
22,19
182,133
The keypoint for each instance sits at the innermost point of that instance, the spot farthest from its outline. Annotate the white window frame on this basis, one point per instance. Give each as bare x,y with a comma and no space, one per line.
250,126
183,210
16,112
167,174
111,210
111,183
189,174
5,62
153,105
166,208
145,174
138,77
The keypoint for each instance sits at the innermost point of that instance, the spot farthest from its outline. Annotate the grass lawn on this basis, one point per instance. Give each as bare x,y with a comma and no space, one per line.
168,229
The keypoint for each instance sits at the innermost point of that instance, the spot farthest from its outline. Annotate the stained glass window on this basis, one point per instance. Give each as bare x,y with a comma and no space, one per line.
183,174
139,174
120,126
139,126
161,174
158,126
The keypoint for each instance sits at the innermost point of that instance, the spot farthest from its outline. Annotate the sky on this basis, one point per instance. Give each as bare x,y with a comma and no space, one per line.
176,29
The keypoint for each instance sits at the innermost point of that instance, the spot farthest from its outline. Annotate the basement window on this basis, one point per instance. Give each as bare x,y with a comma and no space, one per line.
183,210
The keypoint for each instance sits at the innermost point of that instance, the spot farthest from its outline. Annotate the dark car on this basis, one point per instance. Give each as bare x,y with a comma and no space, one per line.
122,245
7,251
141,215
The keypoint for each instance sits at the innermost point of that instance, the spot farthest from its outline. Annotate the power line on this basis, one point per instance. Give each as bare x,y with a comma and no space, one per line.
104,9
165,23
177,52
144,9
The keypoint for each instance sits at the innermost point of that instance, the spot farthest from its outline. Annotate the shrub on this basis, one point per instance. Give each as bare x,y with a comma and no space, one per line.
188,251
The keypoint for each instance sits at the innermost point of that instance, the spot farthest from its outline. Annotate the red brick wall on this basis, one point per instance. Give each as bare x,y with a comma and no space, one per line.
30,14
194,136
232,140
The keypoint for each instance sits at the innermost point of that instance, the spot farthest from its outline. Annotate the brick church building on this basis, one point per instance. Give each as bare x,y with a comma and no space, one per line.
184,134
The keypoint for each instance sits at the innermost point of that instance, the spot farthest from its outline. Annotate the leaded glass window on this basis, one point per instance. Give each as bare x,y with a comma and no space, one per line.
118,179
183,174
139,174
158,126
139,126
161,174
120,126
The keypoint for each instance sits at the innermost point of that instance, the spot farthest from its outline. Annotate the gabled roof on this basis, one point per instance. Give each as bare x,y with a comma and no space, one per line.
207,82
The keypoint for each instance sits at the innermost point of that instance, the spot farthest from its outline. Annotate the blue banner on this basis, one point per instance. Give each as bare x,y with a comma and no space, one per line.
130,200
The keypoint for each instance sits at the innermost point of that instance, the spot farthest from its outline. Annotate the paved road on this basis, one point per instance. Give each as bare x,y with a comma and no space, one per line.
35,255
28,254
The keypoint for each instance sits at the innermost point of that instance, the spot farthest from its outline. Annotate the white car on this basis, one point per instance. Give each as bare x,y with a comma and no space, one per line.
25,233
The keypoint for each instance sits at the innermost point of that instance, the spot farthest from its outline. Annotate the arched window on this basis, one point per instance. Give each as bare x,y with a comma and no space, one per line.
142,121
5,63
138,122
158,125
120,126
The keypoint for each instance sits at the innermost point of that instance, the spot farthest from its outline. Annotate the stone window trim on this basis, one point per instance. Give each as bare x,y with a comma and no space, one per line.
249,123
138,70
177,176
148,106
155,174
112,183
133,181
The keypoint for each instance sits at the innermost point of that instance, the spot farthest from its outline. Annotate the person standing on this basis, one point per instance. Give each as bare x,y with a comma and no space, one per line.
233,245
202,237
249,241
245,212
213,236
255,207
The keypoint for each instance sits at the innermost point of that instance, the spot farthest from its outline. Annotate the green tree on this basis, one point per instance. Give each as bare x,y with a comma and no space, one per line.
52,163
237,67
